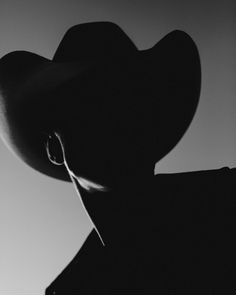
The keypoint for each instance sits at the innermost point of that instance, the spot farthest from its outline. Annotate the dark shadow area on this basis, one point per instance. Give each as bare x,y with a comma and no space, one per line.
116,111
189,246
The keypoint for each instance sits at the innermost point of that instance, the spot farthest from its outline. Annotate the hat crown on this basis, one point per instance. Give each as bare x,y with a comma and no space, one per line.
92,41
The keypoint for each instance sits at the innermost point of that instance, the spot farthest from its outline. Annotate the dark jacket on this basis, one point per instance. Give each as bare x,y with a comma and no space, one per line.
192,249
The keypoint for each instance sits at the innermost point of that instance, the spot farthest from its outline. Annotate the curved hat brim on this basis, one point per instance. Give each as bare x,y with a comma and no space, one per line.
169,72
174,61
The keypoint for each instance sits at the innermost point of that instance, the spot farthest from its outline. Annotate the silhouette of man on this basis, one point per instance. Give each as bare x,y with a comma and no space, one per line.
101,114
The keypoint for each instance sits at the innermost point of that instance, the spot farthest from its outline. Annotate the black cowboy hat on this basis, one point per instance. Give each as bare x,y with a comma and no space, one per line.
93,61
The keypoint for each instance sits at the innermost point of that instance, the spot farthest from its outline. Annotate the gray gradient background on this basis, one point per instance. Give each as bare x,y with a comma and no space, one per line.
42,224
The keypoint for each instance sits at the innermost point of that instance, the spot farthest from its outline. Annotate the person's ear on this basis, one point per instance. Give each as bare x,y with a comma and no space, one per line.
54,148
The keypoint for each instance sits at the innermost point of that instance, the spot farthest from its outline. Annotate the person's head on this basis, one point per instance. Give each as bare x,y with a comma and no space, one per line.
118,110
107,139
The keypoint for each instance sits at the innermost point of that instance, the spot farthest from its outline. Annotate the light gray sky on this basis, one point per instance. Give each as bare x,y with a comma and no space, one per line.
42,224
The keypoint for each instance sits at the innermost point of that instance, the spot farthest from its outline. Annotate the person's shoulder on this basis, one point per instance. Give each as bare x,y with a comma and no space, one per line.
214,178
75,276
221,171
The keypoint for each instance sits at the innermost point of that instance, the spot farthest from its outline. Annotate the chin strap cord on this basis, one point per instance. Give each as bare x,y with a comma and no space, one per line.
72,176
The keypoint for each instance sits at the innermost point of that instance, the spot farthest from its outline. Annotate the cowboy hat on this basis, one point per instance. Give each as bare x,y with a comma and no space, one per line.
97,64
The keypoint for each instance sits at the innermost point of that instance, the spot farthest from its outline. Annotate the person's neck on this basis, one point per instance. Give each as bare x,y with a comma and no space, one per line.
122,216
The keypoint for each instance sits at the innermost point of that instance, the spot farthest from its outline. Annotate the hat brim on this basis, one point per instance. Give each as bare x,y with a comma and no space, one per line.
171,80
174,61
